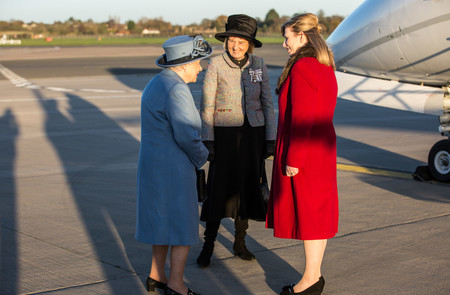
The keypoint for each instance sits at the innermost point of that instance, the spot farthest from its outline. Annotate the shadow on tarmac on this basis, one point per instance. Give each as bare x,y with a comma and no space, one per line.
93,150
123,76
275,269
9,131
347,148
99,185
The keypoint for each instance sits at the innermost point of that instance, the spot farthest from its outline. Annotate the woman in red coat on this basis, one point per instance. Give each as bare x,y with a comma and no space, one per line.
304,204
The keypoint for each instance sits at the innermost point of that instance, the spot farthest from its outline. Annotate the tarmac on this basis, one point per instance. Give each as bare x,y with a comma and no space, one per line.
69,145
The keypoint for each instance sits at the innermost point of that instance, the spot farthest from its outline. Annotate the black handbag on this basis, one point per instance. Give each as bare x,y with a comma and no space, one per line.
264,186
201,185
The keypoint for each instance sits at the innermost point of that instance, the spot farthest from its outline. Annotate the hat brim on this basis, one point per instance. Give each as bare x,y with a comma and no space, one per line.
232,33
162,62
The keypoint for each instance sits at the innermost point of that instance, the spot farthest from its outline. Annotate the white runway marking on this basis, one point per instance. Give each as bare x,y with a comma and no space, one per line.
64,98
19,81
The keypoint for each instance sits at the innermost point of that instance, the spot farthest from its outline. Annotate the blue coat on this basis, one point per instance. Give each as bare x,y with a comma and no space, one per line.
170,151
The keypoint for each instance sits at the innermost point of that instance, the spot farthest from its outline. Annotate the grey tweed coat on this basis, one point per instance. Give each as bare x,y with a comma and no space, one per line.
230,92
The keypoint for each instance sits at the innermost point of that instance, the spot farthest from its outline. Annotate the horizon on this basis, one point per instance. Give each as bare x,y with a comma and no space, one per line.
51,11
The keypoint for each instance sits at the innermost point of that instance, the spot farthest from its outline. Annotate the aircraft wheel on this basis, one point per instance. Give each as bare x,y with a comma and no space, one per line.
439,160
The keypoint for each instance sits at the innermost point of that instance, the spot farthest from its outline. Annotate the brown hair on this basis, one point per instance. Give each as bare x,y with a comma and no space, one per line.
316,47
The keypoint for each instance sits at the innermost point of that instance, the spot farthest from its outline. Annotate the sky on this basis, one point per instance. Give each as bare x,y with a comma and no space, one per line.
177,12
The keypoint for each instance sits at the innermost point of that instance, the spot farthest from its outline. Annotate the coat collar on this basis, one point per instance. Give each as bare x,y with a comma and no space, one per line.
168,72
231,64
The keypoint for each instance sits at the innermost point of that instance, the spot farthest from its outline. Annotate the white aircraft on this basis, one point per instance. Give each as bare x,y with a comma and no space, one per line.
400,51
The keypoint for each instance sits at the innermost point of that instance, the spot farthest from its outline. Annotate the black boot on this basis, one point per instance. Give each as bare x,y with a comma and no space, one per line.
239,247
211,230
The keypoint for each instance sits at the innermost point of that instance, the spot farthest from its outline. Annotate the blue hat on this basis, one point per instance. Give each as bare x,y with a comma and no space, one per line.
181,50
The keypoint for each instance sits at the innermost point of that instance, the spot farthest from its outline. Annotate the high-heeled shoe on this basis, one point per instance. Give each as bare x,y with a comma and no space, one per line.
168,291
315,289
152,284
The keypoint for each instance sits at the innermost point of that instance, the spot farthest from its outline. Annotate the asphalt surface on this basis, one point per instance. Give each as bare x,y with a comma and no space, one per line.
69,140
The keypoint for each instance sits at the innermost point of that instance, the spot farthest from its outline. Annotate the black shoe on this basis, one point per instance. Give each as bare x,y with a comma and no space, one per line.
152,284
315,289
168,291
242,251
288,286
204,258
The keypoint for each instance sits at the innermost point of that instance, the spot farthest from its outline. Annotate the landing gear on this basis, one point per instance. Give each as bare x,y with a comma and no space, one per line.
439,160
439,156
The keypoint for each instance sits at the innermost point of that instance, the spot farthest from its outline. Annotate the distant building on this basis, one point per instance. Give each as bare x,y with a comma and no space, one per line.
209,33
5,41
29,26
149,32
13,37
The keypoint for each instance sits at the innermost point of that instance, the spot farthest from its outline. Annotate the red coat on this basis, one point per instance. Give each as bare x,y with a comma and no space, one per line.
305,206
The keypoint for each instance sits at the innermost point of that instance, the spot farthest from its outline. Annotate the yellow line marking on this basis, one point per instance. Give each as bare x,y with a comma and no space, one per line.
373,171
367,170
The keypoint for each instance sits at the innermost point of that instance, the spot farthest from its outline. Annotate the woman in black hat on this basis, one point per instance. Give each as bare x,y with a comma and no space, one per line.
170,151
238,128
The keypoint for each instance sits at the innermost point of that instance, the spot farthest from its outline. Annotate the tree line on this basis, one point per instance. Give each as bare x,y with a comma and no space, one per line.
270,26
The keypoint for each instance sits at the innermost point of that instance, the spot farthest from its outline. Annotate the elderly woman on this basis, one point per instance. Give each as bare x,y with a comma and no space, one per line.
239,132
170,152
303,203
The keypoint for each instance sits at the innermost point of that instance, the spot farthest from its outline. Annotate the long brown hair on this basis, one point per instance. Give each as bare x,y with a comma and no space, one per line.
316,47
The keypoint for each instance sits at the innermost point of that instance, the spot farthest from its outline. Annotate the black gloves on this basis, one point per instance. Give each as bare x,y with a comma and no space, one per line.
210,146
269,148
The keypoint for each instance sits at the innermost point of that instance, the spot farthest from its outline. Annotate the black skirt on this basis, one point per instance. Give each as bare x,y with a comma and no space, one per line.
234,175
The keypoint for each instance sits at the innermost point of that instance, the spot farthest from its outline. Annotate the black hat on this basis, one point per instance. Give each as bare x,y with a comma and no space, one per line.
240,25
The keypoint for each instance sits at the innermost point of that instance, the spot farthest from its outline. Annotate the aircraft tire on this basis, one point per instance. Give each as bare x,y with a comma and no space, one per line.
439,160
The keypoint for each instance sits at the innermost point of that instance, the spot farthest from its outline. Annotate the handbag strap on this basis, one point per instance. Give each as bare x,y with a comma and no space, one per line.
263,172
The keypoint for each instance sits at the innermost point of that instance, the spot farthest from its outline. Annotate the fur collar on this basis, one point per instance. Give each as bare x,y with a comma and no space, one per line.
306,51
